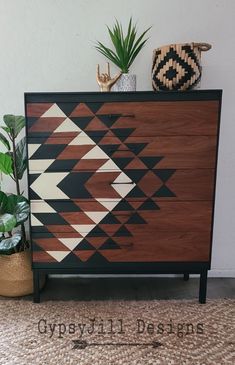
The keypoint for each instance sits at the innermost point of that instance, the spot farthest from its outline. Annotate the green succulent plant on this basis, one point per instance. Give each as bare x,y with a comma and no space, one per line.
126,47
14,209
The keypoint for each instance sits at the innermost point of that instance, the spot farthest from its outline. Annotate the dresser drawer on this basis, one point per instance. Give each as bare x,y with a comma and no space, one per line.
144,118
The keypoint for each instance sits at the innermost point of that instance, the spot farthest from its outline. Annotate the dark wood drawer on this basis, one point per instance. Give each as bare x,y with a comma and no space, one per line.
56,154
145,118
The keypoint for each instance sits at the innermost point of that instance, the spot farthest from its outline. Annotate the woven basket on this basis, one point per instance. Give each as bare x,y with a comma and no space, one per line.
177,66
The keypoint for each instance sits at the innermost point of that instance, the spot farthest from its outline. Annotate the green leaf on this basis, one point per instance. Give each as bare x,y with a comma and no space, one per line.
15,123
6,129
126,47
21,158
9,245
6,163
4,140
3,202
18,206
7,222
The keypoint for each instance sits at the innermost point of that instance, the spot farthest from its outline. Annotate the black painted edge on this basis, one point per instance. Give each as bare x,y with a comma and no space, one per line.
42,97
127,268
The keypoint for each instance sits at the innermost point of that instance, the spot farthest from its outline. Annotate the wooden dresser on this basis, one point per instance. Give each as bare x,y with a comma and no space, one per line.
122,182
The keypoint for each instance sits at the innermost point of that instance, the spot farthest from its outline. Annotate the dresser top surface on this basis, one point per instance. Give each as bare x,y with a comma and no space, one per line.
210,94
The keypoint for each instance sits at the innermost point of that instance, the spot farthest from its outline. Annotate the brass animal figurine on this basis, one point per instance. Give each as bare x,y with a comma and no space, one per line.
104,80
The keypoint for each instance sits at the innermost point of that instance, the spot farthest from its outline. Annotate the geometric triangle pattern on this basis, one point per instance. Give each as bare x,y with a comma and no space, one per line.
90,183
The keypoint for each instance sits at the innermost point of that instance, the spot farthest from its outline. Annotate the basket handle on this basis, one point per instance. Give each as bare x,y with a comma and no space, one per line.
202,46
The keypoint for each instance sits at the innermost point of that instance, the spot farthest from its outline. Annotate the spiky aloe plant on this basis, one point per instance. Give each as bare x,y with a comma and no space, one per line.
127,47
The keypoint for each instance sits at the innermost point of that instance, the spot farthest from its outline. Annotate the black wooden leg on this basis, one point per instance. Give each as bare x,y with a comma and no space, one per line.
203,287
186,276
36,286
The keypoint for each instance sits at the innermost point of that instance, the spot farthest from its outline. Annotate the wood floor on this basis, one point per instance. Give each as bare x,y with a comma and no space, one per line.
80,288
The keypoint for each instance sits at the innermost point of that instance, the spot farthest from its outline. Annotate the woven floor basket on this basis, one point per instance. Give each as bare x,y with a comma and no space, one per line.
177,66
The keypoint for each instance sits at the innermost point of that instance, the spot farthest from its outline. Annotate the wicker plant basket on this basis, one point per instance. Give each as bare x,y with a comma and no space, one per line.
16,277
177,66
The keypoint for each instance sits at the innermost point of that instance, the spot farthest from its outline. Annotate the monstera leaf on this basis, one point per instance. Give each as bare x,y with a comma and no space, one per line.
9,245
7,222
14,210
18,206
15,124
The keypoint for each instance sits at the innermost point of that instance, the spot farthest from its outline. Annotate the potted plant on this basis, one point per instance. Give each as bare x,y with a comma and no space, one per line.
126,49
15,262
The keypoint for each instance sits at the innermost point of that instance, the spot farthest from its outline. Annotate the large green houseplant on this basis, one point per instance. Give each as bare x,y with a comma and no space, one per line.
126,47
15,267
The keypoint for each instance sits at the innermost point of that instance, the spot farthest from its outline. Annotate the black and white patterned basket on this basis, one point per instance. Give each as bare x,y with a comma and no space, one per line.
177,66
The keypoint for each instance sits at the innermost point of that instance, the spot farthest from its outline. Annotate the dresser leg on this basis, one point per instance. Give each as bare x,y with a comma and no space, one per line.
36,286
203,287
186,276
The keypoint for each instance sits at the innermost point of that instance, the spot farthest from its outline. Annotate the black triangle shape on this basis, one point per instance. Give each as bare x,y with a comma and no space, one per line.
82,122
62,165
108,119
164,174
109,148
122,133
97,231
135,175
46,151
123,205
67,108
33,195
149,204
32,178
150,161
109,245
71,260
84,245
94,107
122,162
97,260
136,148
164,192
30,122
136,193
36,247
39,229
136,219
50,219
63,206
69,185
122,232
96,136
109,219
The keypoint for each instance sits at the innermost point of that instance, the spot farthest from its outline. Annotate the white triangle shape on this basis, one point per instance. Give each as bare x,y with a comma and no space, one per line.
35,221
123,189
32,148
122,178
82,139
40,206
96,216
71,243
67,126
83,229
39,165
58,255
54,111
46,185
108,166
95,153
109,203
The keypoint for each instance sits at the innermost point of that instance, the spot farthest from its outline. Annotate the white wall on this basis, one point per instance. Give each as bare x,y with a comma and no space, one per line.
47,45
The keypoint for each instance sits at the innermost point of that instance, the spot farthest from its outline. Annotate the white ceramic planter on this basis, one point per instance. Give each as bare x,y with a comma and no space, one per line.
127,82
